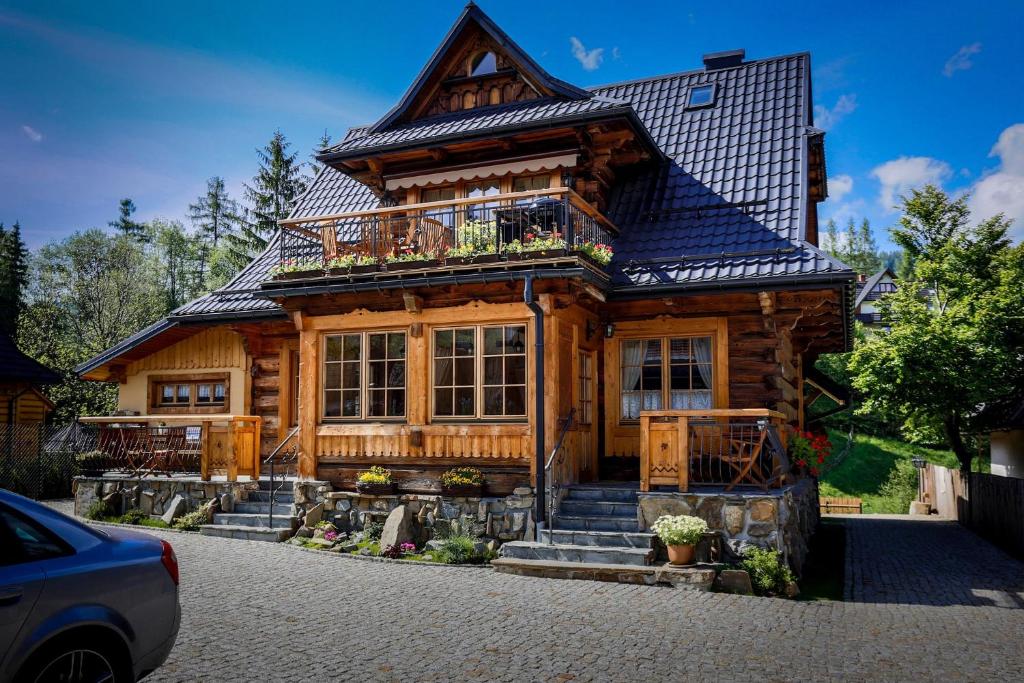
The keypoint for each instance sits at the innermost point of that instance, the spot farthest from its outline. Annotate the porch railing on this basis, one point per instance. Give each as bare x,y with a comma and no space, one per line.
553,474
165,445
498,227
720,447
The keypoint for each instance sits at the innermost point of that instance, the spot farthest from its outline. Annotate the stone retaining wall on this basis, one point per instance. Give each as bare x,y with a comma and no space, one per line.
153,495
784,519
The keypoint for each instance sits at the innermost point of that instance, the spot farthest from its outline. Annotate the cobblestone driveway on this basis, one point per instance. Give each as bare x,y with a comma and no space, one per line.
257,611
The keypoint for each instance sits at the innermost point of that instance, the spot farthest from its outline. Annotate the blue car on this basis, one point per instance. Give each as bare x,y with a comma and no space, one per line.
81,603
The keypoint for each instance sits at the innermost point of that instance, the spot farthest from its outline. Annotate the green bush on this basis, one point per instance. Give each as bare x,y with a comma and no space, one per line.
768,574
191,521
372,531
97,510
458,549
134,516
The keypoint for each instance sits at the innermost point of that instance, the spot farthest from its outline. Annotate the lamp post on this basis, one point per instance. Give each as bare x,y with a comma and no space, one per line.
919,463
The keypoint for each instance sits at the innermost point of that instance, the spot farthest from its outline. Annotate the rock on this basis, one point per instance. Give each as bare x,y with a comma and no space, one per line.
442,528
918,507
792,590
314,515
347,547
761,529
710,510
343,505
421,516
734,581
146,501
114,502
398,528
651,508
762,511
434,545
227,502
449,511
174,509
492,545
522,491
304,532
734,516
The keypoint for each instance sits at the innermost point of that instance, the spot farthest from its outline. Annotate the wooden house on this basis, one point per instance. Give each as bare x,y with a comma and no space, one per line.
21,380
438,296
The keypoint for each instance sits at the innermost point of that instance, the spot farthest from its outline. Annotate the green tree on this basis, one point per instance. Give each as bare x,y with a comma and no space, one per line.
274,189
322,144
215,214
956,333
856,246
179,260
13,278
126,225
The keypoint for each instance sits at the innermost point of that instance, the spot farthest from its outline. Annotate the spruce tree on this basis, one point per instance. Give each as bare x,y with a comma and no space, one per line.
314,165
274,189
125,224
215,214
13,278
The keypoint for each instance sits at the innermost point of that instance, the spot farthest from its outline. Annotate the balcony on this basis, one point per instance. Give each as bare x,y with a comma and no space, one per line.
519,229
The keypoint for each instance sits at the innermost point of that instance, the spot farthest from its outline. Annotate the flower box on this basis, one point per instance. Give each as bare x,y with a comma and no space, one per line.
338,272
463,491
362,270
375,489
471,260
396,266
298,274
541,254
584,256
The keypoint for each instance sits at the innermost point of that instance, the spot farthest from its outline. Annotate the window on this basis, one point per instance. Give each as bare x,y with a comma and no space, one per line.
701,96
665,373
27,540
480,372
483,63
586,408
437,194
183,394
364,375
531,182
483,188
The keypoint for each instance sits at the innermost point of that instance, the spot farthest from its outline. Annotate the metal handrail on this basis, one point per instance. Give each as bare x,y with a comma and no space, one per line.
549,473
272,459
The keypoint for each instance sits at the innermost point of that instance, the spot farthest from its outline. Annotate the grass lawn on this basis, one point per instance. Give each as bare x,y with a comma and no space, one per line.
869,465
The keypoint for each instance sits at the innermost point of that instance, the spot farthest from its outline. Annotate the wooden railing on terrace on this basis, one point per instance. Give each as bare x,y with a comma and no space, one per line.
155,445
718,447
471,230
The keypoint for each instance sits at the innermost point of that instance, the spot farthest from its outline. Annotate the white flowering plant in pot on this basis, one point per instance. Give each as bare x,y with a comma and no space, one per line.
680,533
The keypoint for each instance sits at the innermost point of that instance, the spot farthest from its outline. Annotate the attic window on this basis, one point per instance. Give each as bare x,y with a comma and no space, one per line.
483,63
701,96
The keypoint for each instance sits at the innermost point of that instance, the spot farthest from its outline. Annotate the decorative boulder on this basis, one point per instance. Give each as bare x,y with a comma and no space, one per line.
398,528
176,508
735,581
314,515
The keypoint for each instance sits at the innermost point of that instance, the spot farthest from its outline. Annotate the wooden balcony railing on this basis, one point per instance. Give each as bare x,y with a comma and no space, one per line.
155,445
477,230
720,447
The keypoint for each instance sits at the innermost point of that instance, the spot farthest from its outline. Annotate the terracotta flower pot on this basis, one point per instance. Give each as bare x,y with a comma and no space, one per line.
680,555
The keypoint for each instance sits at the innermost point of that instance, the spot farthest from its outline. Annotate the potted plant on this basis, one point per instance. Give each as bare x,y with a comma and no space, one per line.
363,264
410,260
476,244
294,269
596,252
808,452
376,480
462,481
340,265
92,464
534,247
680,534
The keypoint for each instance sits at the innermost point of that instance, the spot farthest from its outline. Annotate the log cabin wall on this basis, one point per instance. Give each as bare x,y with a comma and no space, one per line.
273,349
29,405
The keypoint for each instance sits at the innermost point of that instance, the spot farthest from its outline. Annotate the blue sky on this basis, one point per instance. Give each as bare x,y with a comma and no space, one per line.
104,100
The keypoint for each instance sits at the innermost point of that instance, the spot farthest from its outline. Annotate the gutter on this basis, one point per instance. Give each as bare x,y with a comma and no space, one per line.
538,392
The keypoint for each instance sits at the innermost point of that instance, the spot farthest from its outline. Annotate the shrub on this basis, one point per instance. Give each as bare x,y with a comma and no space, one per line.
898,490
462,476
410,256
134,516
91,461
457,549
373,530
191,521
343,261
810,451
768,574
679,529
392,551
475,238
295,266
97,510
601,253
374,475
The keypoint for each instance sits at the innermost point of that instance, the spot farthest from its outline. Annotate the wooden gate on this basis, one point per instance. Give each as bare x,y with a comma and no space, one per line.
663,447
245,444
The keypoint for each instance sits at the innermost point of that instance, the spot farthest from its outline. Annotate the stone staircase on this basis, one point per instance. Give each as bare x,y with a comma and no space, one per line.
594,525
248,519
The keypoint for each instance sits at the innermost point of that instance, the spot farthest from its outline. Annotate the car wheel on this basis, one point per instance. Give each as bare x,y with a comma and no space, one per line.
79,662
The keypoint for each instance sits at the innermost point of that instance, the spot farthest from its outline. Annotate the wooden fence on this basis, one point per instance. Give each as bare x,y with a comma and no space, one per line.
990,505
840,506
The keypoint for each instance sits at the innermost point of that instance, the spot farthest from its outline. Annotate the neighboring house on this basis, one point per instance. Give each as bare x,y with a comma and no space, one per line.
21,379
473,346
869,291
1004,422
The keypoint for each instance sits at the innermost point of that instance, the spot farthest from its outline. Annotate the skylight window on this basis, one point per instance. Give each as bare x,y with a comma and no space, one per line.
701,96
483,64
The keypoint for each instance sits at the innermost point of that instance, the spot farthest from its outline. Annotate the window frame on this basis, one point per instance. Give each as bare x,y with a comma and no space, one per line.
156,382
713,87
364,377
479,416
665,342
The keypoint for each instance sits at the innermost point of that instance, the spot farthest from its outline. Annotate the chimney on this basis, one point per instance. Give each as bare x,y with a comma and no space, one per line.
723,60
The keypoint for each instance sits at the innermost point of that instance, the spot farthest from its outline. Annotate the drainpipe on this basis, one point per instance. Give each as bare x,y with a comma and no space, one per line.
538,411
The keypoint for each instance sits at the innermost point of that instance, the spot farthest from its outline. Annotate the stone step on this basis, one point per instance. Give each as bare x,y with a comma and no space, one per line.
595,523
279,481
526,550
261,508
570,506
621,539
694,578
245,533
241,519
602,493
284,496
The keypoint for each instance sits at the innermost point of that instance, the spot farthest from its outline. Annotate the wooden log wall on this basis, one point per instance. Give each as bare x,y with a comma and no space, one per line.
265,345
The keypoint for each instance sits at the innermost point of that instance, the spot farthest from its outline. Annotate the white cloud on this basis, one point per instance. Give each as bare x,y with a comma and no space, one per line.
588,59
961,61
31,133
1002,191
826,118
616,53
839,186
901,175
